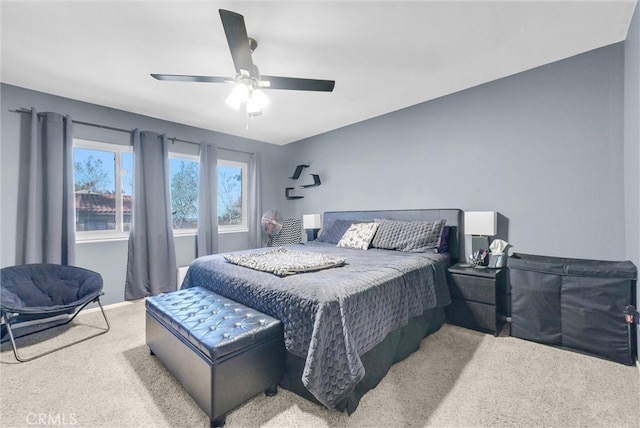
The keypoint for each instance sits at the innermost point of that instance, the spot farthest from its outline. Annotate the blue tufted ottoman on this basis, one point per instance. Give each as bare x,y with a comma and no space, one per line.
223,353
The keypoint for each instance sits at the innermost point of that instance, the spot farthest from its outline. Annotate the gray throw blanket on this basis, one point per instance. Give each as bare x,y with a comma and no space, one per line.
283,261
333,316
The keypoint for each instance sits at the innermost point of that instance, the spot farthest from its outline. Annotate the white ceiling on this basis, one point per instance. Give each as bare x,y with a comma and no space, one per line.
384,56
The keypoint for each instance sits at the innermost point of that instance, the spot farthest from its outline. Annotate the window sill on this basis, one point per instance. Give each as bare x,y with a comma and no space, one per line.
94,239
116,238
226,231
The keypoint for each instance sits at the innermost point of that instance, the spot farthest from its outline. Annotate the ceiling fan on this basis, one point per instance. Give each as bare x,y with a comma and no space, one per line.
249,82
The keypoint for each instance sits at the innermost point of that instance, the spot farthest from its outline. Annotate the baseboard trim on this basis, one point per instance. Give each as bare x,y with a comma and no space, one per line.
110,306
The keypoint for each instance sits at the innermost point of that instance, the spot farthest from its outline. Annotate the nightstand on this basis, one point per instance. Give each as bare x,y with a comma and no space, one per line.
480,298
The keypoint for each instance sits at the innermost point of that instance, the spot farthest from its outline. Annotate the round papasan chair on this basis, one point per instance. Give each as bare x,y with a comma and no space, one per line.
40,291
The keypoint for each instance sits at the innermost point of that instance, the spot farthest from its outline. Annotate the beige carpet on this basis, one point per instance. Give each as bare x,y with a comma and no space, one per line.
458,378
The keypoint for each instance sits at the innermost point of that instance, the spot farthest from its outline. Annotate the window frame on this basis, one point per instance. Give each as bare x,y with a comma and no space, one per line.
243,227
118,233
244,167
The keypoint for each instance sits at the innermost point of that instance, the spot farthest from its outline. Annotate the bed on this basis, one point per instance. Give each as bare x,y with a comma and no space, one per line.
345,326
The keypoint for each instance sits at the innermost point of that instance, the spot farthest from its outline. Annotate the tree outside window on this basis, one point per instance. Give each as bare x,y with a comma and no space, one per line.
184,193
229,195
184,173
90,174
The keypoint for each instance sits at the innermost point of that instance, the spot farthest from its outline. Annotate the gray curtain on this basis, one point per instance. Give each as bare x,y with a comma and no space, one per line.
207,241
151,264
255,203
47,198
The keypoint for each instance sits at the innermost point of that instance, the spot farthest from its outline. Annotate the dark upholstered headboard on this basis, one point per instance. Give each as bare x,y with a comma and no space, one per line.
454,218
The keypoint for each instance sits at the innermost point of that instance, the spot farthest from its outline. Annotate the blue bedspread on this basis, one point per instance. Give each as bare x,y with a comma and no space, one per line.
332,317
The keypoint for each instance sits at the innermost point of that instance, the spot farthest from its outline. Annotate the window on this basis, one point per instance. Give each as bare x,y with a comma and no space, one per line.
183,173
232,196
103,175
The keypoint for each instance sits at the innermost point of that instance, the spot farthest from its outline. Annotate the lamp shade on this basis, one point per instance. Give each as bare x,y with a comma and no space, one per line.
239,95
311,221
481,223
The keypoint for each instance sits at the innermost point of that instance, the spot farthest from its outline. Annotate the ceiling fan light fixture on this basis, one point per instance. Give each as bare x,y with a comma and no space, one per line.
260,98
238,96
253,107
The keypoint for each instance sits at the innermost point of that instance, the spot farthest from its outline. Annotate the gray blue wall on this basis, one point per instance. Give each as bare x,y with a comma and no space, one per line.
110,257
555,149
545,148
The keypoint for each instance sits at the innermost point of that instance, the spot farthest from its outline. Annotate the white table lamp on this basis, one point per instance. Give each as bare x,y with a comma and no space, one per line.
311,223
480,225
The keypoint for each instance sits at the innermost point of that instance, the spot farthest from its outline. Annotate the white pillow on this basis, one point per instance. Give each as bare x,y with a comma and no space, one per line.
359,236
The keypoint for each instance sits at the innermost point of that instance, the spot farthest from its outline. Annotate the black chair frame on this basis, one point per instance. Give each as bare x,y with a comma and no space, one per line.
9,317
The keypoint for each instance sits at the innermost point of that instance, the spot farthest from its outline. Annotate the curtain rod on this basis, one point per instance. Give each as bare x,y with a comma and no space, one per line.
129,131
174,139
79,122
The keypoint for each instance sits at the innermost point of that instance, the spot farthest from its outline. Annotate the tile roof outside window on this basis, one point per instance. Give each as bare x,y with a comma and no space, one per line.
101,203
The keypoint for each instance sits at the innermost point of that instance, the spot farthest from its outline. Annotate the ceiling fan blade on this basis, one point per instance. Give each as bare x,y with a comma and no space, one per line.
296,84
238,41
188,78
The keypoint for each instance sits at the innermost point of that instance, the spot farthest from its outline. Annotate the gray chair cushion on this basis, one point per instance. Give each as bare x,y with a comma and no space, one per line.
44,288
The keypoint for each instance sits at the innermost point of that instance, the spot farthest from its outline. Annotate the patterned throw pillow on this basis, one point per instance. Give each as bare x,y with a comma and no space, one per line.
412,236
291,233
358,236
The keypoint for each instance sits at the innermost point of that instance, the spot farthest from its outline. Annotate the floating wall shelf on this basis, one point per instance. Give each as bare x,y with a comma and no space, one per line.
286,193
298,171
295,176
316,181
